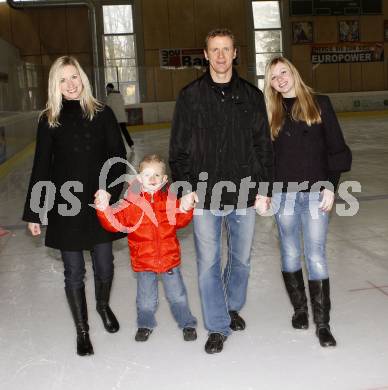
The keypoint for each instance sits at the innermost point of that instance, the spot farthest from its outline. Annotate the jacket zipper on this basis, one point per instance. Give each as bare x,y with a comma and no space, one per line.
156,232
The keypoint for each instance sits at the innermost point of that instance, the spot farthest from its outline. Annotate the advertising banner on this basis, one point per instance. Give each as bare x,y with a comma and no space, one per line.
347,53
185,58
181,58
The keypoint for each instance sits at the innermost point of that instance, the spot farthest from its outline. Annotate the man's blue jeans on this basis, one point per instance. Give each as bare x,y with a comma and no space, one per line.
224,291
298,215
175,290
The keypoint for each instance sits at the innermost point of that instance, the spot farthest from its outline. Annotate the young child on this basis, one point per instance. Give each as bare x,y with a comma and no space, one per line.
151,219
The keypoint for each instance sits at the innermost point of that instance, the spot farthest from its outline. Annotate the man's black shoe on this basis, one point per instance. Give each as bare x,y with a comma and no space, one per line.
215,343
189,334
324,335
143,334
236,322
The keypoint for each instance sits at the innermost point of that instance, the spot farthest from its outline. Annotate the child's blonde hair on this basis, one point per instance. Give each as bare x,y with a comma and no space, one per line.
152,158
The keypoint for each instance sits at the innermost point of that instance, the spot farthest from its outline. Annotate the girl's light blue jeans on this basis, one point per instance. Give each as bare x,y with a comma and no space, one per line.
299,219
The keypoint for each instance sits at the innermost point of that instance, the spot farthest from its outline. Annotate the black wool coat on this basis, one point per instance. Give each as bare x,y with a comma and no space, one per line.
311,153
75,151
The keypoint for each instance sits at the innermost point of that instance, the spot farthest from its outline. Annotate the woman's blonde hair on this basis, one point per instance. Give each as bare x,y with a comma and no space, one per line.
89,104
305,108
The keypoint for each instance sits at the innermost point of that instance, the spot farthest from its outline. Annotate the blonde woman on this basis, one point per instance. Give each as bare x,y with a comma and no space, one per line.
76,136
310,154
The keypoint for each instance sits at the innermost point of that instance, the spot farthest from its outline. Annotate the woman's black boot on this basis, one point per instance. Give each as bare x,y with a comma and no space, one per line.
78,307
102,290
320,302
296,291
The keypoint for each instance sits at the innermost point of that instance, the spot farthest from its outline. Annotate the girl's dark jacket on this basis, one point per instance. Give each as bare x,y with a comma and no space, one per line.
225,133
313,153
76,150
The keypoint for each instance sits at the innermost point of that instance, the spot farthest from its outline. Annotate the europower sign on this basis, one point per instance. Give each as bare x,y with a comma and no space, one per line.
347,53
182,58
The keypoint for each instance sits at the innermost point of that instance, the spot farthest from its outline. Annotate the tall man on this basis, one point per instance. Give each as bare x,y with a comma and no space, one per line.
220,144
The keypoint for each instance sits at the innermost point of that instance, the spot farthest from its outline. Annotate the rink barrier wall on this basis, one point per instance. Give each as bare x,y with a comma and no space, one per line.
342,102
27,151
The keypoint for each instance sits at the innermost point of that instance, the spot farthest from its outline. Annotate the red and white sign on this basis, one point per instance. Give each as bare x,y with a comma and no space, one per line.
182,58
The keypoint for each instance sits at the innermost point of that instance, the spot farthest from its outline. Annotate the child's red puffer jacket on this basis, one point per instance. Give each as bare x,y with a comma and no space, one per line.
151,222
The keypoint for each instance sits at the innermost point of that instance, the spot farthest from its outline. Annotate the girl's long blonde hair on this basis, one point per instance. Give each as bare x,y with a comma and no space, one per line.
90,105
305,108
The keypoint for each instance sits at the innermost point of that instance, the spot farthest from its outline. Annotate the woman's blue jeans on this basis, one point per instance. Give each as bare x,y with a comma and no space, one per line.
224,291
298,217
175,290
74,263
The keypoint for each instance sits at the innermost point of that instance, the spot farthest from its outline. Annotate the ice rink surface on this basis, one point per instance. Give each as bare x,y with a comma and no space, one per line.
37,336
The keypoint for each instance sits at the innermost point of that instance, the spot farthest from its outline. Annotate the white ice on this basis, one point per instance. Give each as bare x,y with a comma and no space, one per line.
37,337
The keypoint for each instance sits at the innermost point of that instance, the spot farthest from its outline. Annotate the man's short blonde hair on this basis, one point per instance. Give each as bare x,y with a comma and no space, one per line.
220,32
